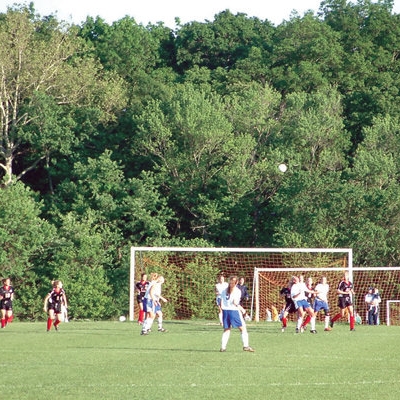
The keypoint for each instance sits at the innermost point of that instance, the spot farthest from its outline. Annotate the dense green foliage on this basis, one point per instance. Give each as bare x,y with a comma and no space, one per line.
123,134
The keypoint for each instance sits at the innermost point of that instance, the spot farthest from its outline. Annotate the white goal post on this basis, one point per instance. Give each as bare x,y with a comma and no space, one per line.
312,262
389,309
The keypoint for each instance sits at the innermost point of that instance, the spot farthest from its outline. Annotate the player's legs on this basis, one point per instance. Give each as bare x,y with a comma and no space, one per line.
50,319
352,318
284,319
141,312
3,317
310,317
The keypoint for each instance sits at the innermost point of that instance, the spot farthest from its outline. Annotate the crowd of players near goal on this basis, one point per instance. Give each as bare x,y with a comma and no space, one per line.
306,301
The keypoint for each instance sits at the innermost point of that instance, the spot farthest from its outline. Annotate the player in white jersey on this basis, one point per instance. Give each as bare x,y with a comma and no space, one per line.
321,301
232,314
150,301
220,286
303,307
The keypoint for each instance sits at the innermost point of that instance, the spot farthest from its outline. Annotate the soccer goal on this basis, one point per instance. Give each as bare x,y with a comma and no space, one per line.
191,274
393,312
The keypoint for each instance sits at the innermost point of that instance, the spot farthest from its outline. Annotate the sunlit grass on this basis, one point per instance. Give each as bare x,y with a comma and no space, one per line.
111,360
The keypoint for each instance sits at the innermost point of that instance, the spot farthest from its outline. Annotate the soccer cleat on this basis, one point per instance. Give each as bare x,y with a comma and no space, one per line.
144,332
304,328
56,327
249,349
313,331
331,323
222,350
297,330
328,329
352,330
301,330
283,330
162,330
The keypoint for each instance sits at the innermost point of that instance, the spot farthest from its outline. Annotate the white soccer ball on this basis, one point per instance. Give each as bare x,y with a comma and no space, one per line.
282,167
122,318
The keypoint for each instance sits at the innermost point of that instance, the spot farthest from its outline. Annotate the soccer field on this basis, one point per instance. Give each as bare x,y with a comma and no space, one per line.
111,360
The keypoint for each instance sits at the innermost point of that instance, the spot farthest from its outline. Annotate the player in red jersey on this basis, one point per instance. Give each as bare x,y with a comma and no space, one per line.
345,291
53,303
6,299
141,288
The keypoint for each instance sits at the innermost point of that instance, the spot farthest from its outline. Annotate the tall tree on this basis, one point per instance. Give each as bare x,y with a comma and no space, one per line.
43,79
204,167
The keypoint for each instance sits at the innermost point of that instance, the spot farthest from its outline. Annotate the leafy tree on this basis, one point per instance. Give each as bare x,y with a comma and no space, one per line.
78,261
369,34
220,43
313,132
131,207
307,55
203,165
374,219
25,237
43,80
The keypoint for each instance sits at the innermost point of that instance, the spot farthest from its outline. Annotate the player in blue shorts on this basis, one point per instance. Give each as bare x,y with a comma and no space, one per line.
232,314
321,301
299,297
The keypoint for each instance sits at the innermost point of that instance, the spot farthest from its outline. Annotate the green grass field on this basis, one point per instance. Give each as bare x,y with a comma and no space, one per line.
111,360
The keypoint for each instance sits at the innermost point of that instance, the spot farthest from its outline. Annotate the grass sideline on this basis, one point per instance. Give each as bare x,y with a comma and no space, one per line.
111,360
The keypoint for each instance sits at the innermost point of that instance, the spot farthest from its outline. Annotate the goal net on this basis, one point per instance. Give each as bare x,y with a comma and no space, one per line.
191,274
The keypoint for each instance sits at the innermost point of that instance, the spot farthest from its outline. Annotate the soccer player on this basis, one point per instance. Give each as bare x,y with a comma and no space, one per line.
157,309
245,296
141,288
152,306
220,286
310,294
345,291
232,315
321,301
6,300
290,307
53,303
297,292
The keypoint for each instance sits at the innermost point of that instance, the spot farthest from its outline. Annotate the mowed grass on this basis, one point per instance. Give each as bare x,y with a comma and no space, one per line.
111,360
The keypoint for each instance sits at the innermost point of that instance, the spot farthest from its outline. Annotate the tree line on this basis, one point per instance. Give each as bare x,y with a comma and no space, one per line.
113,135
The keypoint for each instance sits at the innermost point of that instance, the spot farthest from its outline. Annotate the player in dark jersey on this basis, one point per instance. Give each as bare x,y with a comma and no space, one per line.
53,303
6,299
289,308
345,291
141,288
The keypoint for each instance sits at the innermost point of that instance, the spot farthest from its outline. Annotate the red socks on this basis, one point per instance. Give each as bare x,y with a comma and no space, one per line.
306,321
284,322
3,322
49,322
336,317
141,316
